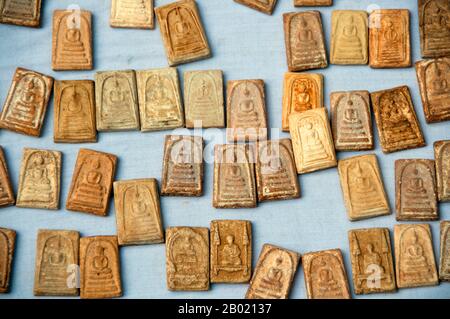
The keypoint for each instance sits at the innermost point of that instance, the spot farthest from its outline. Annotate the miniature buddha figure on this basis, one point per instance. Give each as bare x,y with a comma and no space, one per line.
22,9
231,254
389,33
185,254
118,108
363,188
390,48
160,104
182,173
302,98
37,186
439,85
90,189
437,26
351,126
234,178
305,37
101,270
415,262
273,278
246,115
72,47
139,207
395,117
183,31
203,97
328,285
370,259
24,111
313,147
74,116
55,261
415,186
348,44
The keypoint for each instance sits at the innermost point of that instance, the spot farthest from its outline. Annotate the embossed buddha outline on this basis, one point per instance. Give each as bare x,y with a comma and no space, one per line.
57,254
352,122
76,112
117,103
277,168
372,261
417,190
140,213
328,279
365,188
133,11
161,101
349,44
416,265
184,31
203,99
273,283
315,148
101,272
306,43
91,188
392,37
444,166
247,111
39,185
398,124
435,21
73,48
28,101
188,260
184,164
235,178
437,87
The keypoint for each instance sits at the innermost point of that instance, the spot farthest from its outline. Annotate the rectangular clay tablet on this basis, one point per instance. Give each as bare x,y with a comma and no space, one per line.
414,257
187,43
276,174
442,161
72,40
301,92
56,263
6,190
160,105
434,76
312,141
397,124
7,245
116,101
264,6
100,267
363,188
415,190
182,173
304,40
26,103
434,16
187,258
231,251
351,121
132,14
349,37
203,98
25,13
389,39
372,263
444,260
92,181
246,111
274,273
329,263
234,176
40,179
312,3
74,117
138,212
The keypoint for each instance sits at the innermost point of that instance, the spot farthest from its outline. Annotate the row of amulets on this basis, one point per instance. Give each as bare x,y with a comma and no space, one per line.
72,31
196,256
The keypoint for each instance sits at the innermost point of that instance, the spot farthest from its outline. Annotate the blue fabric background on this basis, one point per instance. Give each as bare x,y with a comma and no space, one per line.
245,44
